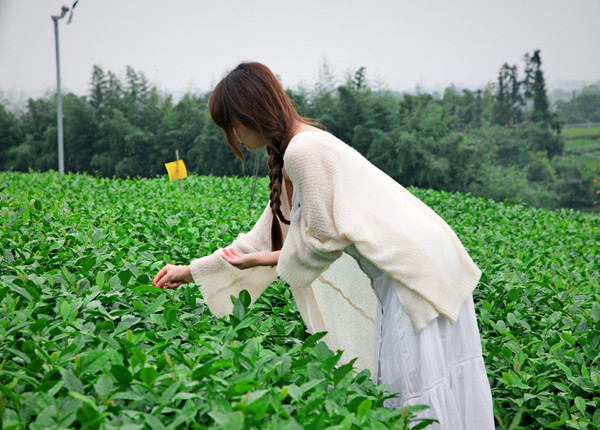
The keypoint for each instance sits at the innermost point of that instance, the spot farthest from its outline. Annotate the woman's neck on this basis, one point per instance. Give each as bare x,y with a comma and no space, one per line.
299,127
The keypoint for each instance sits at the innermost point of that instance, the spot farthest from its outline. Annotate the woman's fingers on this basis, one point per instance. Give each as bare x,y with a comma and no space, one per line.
164,278
173,284
161,279
231,255
172,276
159,275
238,259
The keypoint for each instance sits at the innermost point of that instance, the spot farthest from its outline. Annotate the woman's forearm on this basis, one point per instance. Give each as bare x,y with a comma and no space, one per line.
246,261
268,258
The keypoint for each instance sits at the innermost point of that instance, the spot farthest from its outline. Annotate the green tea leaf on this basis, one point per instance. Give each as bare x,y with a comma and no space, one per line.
121,374
245,298
126,323
167,396
239,310
85,399
100,279
568,337
65,309
171,314
138,357
154,423
595,313
93,361
364,408
580,404
148,375
103,386
340,372
71,381
155,304
313,339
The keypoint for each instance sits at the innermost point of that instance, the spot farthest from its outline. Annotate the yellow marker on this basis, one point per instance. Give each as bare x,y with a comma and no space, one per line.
176,170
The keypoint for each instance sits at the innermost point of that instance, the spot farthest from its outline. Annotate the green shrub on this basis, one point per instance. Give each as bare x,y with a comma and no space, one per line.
86,342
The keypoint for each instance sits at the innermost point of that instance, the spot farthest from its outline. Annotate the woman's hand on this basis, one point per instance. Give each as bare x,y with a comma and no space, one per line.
246,261
172,276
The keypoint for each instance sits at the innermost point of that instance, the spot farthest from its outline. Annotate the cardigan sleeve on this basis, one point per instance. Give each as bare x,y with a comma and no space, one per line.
218,280
313,241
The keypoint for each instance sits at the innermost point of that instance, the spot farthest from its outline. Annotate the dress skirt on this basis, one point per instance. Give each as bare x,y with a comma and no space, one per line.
441,366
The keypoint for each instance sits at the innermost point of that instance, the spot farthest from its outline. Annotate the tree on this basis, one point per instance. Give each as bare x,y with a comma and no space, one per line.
583,107
359,80
80,132
10,135
466,107
38,148
536,89
576,184
509,102
98,91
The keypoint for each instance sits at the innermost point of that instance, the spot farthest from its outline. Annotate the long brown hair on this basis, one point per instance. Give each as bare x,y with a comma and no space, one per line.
251,95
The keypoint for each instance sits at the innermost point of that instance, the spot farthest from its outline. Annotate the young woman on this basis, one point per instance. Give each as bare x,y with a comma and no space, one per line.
367,261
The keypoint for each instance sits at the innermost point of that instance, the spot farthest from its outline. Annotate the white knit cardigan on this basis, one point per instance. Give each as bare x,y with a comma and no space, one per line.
345,200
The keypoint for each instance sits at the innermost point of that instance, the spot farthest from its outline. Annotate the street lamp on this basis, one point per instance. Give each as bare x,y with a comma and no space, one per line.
61,155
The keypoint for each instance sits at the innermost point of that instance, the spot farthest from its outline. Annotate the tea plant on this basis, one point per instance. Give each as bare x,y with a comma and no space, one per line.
538,305
86,342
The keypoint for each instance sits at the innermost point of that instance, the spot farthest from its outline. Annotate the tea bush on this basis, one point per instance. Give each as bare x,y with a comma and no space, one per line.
86,342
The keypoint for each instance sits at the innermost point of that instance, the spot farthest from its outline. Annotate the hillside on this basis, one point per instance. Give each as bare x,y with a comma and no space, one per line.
86,341
582,141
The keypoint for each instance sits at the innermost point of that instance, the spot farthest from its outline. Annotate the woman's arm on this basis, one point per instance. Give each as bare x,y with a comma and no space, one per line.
246,261
218,280
172,276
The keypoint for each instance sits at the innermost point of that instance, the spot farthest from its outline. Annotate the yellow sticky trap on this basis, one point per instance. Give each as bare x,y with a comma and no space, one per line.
176,170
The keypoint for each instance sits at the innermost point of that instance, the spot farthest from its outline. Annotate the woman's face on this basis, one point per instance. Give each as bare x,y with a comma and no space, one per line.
248,137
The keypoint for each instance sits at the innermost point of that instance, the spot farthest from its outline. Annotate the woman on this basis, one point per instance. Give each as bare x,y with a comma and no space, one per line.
367,261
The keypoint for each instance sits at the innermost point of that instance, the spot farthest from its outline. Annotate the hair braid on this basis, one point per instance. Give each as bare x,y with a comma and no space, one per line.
275,163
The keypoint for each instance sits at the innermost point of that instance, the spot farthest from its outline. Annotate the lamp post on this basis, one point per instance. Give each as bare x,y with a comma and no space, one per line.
61,155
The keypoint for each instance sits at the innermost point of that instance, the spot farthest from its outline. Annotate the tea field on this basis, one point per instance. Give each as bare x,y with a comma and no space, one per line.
582,140
87,342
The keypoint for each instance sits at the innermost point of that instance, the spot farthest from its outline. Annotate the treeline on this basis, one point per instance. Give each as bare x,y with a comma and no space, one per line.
582,108
502,142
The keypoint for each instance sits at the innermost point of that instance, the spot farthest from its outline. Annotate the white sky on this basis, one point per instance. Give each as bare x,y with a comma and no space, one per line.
189,44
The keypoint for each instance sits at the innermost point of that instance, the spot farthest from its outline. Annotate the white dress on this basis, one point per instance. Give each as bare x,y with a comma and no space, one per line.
441,366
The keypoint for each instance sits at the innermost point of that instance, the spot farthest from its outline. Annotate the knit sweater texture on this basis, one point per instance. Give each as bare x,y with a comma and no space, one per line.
345,200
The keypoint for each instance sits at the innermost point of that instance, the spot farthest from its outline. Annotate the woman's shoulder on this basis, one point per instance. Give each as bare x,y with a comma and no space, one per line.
308,144
310,152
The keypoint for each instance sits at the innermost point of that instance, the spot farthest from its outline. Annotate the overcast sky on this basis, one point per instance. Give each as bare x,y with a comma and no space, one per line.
189,44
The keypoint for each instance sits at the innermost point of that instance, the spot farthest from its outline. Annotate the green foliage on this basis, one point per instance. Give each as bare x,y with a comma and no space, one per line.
578,184
463,142
510,102
86,342
537,89
514,96
582,108
538,308
584,144
9,131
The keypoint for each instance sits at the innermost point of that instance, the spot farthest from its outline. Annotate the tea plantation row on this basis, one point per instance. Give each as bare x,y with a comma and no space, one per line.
86,342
